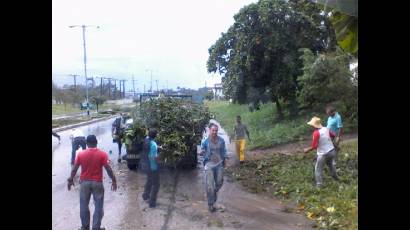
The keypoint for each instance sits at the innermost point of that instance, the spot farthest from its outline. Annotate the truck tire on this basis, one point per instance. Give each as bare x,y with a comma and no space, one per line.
193,161
132,166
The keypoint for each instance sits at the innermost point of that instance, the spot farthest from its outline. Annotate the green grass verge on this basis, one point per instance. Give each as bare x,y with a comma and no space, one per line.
69,121
265,130
291,178
58,109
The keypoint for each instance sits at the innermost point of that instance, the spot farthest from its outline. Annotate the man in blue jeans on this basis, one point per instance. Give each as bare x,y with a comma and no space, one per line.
213,147
92,160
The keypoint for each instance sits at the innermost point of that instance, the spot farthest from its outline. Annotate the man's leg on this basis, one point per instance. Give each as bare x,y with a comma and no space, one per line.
119,149
242,150
218,175
56,135
148,185
75,145
238,148
319,169
330,163
85,195
155,188
334,161
98,196
219,178
210,188
83,143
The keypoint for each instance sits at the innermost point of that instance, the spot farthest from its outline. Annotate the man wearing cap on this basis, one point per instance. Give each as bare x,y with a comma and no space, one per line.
322,141
92,160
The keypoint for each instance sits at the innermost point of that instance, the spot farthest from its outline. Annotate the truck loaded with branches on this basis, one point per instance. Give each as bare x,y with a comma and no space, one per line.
180,124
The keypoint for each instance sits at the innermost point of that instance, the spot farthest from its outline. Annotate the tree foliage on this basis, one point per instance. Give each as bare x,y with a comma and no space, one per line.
344,18
327,79
180,125
259,52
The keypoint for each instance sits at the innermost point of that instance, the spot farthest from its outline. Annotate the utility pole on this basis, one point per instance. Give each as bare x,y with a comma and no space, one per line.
115,88
157,85
101,87
133,85
150,70
123,88
109,88
75,84
85,64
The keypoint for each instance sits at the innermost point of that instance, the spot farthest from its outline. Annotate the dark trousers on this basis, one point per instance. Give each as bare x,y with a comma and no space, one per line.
119,147
55,134
151,187
77,142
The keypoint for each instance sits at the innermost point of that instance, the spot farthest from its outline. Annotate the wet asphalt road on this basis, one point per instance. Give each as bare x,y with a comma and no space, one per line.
181,202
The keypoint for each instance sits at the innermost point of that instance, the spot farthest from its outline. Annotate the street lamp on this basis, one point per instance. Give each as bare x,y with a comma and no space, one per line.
85,62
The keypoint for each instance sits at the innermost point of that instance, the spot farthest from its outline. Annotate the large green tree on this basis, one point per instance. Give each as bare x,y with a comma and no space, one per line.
259,52
327,79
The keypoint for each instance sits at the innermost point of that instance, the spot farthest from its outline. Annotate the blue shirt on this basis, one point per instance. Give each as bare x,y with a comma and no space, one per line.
206,147
335,123
153,153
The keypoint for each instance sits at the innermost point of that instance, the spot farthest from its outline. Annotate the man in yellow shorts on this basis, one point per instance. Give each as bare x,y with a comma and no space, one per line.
239,132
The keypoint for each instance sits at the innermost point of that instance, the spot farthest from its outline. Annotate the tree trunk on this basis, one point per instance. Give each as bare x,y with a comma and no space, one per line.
97,106
279,109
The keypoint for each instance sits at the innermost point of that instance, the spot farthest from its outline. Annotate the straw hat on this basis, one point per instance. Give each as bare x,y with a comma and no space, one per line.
315,122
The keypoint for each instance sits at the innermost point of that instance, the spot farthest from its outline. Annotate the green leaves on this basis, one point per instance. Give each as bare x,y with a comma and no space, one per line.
180,125
346,31
291,177
259,52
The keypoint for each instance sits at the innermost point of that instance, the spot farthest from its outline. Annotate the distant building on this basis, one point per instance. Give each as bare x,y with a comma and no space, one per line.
217,90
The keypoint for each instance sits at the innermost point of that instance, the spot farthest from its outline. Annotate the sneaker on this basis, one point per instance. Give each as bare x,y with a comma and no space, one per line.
152,205
211,208
84,228
119,160
145,198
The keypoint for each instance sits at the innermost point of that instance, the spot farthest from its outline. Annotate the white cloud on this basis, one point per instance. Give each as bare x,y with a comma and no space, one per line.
171,37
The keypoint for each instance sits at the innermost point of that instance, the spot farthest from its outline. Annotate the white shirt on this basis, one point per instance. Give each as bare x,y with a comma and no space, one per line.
325,142
77,133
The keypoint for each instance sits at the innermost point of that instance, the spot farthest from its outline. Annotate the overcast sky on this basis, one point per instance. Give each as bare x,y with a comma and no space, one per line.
170,37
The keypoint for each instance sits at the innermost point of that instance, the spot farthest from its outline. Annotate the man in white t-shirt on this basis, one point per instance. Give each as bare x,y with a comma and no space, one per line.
323,142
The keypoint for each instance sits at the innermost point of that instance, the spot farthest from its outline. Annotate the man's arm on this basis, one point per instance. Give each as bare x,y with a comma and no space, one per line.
70,180
223,152
340,126
112,176
247,133
315,142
